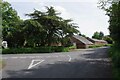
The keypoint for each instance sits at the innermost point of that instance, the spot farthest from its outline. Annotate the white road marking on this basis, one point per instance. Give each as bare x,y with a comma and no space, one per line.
33,65
69,58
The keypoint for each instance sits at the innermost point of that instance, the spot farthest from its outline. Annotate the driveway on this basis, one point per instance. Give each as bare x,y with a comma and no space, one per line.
84,63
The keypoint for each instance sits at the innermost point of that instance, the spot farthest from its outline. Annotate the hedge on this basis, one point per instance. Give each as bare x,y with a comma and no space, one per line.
114,53
35,50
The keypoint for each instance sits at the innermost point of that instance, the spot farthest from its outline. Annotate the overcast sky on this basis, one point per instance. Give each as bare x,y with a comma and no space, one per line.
83,12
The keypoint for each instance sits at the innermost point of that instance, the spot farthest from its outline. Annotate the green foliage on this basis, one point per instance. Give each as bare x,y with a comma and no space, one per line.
113,11
95,46
60,49
114,21
48,49
72,47
53,28
98,35
114,53
10,25
108,39
83,35
42,29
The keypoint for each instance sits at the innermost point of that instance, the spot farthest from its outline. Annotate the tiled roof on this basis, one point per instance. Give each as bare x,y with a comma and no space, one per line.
96,40
82,39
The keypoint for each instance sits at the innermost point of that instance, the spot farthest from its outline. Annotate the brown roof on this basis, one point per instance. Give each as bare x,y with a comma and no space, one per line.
82,39
96,40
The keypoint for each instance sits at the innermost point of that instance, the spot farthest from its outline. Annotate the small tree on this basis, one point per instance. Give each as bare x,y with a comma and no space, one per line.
98,35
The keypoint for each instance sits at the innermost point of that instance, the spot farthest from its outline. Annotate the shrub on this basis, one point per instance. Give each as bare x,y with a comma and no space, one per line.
48,49
59,49
66,49
72,47
114,53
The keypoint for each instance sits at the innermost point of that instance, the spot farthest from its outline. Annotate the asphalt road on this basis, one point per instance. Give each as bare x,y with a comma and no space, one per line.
88,63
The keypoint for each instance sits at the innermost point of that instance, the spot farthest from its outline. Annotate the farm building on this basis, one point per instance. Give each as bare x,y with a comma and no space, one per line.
97,42
81,42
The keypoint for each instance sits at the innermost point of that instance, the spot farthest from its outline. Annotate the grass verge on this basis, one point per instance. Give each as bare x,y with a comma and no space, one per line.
96,46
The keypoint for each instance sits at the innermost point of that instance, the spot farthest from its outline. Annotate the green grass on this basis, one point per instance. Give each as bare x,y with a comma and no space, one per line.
72,47
96,46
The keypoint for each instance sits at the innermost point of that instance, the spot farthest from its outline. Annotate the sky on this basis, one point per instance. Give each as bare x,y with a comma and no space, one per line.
85,13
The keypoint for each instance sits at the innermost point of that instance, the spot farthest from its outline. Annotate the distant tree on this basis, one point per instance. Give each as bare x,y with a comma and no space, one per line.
83,35
108,39
98,35
101,35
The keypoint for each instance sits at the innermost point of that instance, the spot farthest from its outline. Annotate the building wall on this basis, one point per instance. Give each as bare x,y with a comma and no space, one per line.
79,44
100,43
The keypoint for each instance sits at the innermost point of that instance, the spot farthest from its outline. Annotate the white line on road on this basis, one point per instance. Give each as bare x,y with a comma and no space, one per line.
33,65
69,58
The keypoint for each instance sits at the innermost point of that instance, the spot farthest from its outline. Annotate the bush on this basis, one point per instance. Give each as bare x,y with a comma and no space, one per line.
66,49
34,50
72,47
114,53
60,49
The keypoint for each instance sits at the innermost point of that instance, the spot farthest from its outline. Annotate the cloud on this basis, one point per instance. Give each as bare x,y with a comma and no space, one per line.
64,13
51,0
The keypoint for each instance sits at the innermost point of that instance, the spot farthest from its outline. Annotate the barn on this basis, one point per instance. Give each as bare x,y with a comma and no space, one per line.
81,42
97,42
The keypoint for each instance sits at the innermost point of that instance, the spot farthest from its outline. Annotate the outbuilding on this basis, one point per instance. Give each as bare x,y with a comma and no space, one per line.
81,42
97,42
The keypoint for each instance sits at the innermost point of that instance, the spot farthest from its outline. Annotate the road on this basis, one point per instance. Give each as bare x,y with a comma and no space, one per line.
86,63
